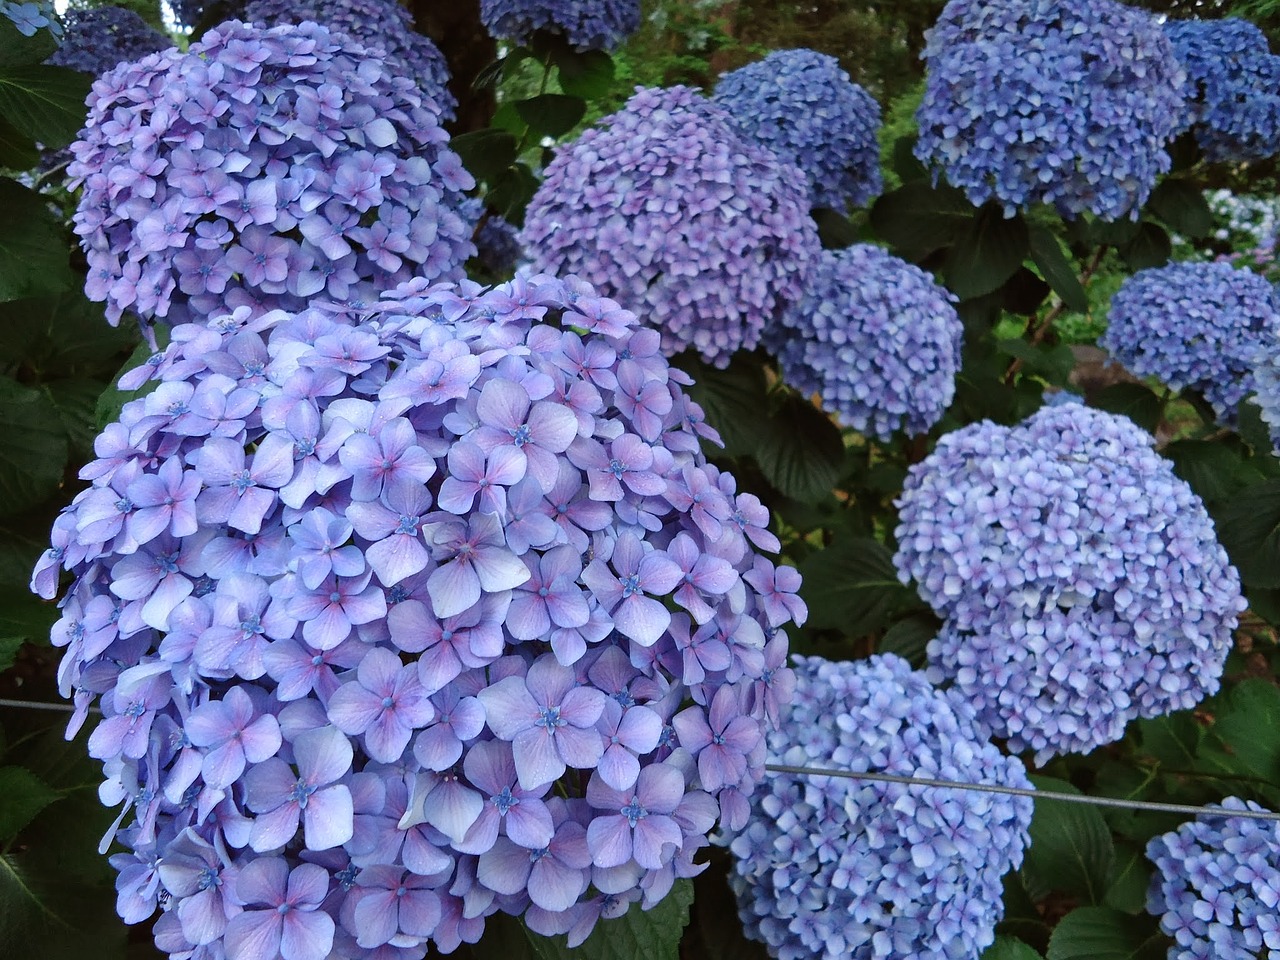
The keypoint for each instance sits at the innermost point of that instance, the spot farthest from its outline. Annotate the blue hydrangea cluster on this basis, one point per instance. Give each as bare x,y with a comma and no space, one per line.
587,24
1232,97
801,105
380,24
1266,381
836,868
1198,326
666,208
877,338
262,168
1067,102
1217,886
97,39
399,616
31,18
1081,580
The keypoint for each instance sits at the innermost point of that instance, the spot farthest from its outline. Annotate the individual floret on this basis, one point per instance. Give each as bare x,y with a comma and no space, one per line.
30,18
587,24
1067,102
1198,326
404,614
830,868
99,38
877,338
1082,580
1217,886
801,105
263,168
667,209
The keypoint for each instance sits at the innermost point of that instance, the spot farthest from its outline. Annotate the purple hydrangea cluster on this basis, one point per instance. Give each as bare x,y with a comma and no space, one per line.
1199,326
1266,380
1081,580
830,867
262,168
381,24
666,208
587,24
1067,102
877,338
97,39
1217,886
801,105
1233,99
402,615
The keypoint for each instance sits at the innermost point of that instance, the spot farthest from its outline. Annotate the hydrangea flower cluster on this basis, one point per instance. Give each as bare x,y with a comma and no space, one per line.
97,39
261,168
830,867
1068,102
801,105
666,208
1199,326
1217,887
877,338
1081,580
1232,95
382,24
402,615
587,24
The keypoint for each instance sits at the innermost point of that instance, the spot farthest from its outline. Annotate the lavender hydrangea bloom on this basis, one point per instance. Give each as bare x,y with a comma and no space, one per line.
666,208
378,602
1203,326
1082,581
276,165
587,24
801,105
98,39
876,337
1217,886
382,24
831,868
1232,95
1050,101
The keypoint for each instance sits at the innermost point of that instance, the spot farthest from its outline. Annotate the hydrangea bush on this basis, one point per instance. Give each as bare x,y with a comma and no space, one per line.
1050,101
1199,326
97,39
262,168
877,338
801,105
830,867
667,209
376,24
1232,94
1081,580
586,24
1217,886
402,615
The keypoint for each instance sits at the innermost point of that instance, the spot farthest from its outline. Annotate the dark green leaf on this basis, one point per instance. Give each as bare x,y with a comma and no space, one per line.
1134,400
1053,363
1249,527
799,450
33,448
1071,849
9,647
19,51
918,217
33,247
1100,933
112,400
909,637
1010,948
1181,205
17,152
25,616
1058,271
587,74
905,164
1246,733
852,586
1129,881
490,76
551,114
1173,740
1116,232
835,230
1024,292
485,153
733,400
76,402
45,103
636,935
24,795
714,931
510,192
1215,469
47,911
1150,247
987,253
65,336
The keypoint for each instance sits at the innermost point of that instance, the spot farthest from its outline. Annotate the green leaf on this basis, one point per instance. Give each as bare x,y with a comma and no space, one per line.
112,400
1215,470
485,153
835,230
491,75
1100,933
1051,260
19,51
24,795
1114,232
9,647
1024,292
1249,527
25,616
65,336
1150,247
587,74
34,249
1129,881
852,586
1181,205
731,399
76,402
909,637
1053,363
905,164
510,192
47,911
1071,849
1246,732
551,114
1009,948
636,935
16,151
1134,400
1173,740
986,254
714,931
918,217
33,448
45,103
799,450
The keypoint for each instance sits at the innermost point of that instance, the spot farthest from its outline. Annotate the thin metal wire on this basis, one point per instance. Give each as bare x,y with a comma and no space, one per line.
33,705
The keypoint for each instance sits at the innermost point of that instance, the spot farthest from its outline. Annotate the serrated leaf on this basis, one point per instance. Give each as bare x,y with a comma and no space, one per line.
25,616
45,103
918,217
986,254
1009,948
731,399
852,586
510,192
1173,740
46,911
33,448
1246,733
24,795
76,401
1133,400
1130,879
551,114
1249,528
799,450
1183,207
34,249
485,153
1071,849
1052,262
17,152
636,935
65,336
835,230
909,637
586,74
19,51
1214,470
1100,933
1150,247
